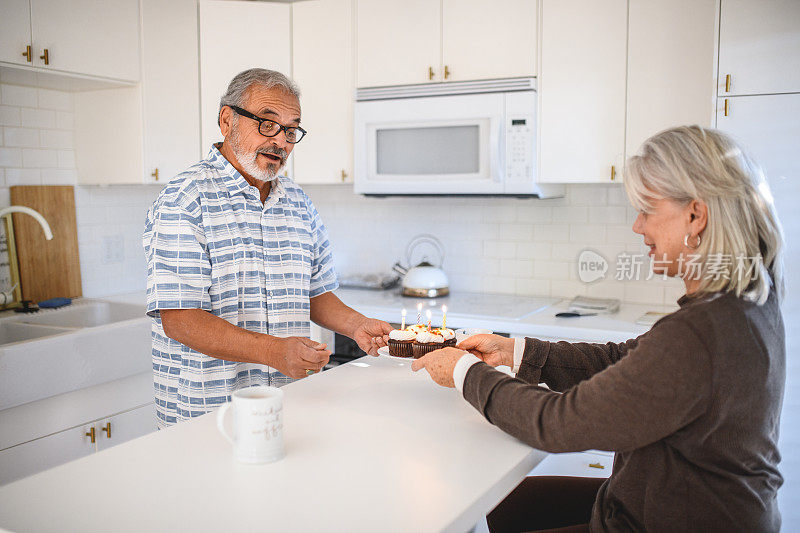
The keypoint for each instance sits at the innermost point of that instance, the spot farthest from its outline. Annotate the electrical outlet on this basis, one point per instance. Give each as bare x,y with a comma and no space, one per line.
113,249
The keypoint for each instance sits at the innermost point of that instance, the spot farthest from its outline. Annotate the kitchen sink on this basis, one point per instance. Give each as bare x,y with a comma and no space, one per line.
86,314
14,332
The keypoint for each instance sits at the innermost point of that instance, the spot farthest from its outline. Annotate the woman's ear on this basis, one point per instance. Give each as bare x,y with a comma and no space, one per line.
698,216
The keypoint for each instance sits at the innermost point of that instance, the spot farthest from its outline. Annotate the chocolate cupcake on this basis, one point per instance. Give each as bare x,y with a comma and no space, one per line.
448,335
401,343
426,342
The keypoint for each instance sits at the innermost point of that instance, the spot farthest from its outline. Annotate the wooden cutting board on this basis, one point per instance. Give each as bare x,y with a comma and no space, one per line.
47,269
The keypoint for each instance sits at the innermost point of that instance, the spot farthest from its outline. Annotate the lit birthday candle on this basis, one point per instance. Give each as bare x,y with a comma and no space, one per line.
444,316
403,313
428,314
419,313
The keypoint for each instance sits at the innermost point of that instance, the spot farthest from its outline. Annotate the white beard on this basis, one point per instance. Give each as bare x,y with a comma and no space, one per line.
247,160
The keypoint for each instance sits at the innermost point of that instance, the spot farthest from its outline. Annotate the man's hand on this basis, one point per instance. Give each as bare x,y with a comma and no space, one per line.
440,364
493,349
371,334
293,356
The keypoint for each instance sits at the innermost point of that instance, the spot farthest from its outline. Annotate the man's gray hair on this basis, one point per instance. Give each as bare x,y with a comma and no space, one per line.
262,77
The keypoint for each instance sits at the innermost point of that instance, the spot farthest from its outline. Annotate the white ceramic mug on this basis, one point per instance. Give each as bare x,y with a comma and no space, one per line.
463,333
257,424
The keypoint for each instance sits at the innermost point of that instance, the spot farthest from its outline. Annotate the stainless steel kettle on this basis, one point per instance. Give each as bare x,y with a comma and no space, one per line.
426,279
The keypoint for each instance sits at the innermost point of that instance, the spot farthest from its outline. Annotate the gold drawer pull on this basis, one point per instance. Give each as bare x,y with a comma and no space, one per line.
727,83
597,465
727,107
107,429
45,56
430,73
91,434
613,173
27,54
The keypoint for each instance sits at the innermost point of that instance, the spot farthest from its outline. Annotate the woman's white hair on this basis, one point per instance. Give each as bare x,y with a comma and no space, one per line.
241,83
742,244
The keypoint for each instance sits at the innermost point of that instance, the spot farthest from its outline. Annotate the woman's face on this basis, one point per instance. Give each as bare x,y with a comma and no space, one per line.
664,228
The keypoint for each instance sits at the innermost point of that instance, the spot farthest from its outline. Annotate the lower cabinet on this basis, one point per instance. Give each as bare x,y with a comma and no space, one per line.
582,464
58,448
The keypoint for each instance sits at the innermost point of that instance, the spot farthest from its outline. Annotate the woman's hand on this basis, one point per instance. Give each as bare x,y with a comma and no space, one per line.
493,349
440,364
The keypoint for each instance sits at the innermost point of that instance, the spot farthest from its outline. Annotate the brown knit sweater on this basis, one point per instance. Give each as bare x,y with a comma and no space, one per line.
691,407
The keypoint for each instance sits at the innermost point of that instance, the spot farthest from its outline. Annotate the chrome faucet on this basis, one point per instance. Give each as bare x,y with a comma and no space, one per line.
48,234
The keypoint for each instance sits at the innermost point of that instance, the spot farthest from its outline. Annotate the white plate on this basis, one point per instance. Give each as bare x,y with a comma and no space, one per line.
384,351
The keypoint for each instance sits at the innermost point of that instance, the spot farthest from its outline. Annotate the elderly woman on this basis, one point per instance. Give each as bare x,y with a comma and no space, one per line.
691,407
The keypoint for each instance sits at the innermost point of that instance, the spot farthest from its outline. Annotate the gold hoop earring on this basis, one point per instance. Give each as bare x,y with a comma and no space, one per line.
686,242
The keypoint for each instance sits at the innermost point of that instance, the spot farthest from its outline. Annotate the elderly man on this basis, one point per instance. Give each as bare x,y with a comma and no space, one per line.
239,261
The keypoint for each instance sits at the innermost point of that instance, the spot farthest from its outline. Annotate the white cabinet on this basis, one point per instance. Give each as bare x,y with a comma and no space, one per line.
421,41
125,426
398,43
582,90
759,47
44,453
671,58
581,464
15,32
484,39
322,52
87,37
170,88
236,36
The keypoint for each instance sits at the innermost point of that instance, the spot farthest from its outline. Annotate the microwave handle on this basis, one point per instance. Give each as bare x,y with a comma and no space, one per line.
497,143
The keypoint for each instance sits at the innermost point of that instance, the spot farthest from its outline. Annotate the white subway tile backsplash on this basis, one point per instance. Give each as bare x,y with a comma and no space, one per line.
16,95
66,159
534,213
10,157
500,249
9,116
534,250
59,176
23,176
607,215
65,120
38,118
589,195
518,268
56,139
551,233
21,137
58,100
617,196
34,158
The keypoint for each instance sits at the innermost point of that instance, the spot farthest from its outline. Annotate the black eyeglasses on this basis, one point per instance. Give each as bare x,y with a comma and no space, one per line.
270,128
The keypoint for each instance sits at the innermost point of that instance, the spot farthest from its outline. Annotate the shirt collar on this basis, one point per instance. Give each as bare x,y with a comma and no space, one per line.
235,182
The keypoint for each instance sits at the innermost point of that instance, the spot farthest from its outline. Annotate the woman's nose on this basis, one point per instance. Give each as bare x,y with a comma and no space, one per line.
638,224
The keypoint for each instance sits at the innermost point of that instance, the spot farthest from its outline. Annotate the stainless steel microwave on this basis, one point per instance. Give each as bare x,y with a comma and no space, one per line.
460,138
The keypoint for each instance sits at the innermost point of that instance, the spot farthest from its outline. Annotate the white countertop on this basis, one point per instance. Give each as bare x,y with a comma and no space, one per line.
370,446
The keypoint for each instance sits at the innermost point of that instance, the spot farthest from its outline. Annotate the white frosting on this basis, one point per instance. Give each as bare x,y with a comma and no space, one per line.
427,337
417,328
402,335
447,333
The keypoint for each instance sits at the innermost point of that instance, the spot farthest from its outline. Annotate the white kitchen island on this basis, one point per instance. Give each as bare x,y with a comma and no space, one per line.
370,446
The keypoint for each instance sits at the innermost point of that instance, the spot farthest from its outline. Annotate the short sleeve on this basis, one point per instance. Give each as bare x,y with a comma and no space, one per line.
178,264
323,274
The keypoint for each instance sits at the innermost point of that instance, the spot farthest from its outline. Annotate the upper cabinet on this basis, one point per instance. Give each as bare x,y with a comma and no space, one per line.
398,42
421,41
78,37
759,47
582,90
322,54
235,36
671,59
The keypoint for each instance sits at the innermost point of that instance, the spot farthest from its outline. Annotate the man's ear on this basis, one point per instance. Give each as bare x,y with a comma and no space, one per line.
225,121
698,216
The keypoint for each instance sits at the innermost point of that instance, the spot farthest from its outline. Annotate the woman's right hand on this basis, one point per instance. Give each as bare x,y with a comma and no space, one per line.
493,349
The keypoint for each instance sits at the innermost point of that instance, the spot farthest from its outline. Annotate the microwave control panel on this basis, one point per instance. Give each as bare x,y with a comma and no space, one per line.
520,136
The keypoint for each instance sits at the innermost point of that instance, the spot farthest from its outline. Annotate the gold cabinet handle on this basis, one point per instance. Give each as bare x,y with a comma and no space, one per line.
155,174
430,73
446,72
597,465
27,54
45,56
344,175
613,173
91,434
727,107
727,83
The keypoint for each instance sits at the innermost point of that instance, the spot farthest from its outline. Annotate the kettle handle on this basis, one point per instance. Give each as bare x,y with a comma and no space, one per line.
422,239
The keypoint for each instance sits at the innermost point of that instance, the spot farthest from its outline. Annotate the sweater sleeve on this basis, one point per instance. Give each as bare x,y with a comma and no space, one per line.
662,384
562,365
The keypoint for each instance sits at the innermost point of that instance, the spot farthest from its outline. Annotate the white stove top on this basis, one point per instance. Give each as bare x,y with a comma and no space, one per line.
476,305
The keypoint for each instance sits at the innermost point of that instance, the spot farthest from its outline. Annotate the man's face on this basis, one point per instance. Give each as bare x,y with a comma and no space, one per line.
261,157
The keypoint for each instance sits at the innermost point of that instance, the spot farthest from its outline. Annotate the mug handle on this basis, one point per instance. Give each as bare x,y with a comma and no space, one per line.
221,421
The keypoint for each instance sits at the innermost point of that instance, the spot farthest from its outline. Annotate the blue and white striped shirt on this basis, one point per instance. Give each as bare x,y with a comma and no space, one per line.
211,244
